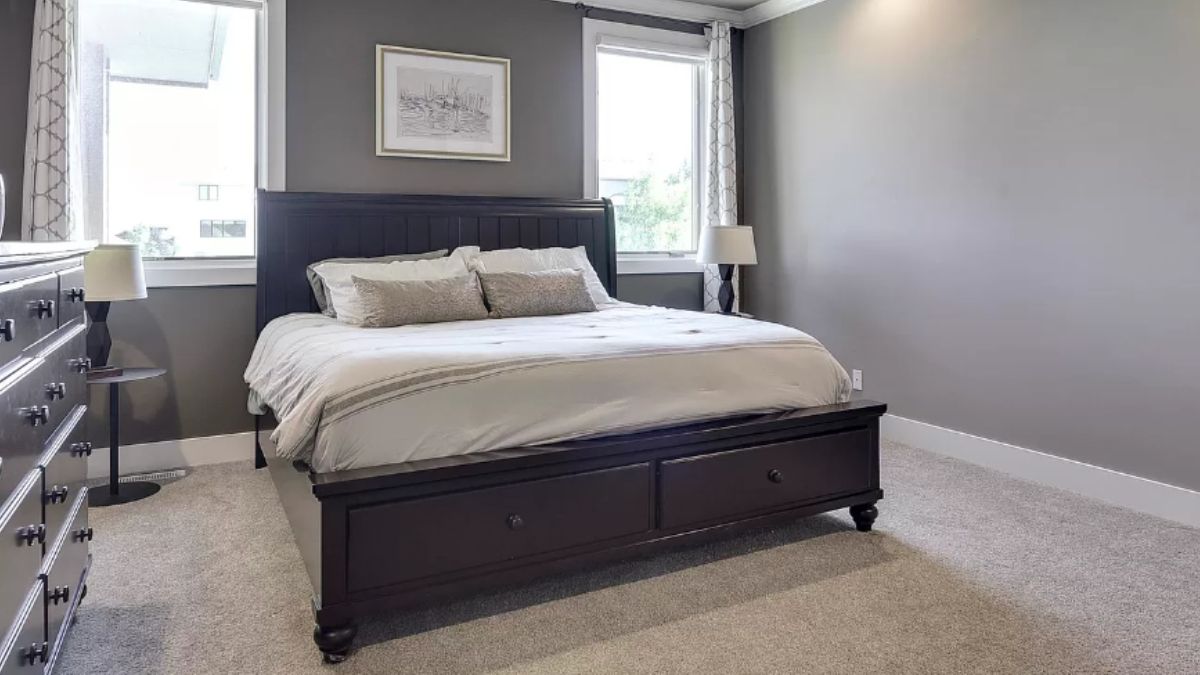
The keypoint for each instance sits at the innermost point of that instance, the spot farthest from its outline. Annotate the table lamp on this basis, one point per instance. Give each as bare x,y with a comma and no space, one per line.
111,273
727,247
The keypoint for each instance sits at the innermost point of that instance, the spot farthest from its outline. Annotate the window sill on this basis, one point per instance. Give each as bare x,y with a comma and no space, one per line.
200,272
658,264
239,272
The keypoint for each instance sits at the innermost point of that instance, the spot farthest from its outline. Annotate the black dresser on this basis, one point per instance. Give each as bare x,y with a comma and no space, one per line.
44,549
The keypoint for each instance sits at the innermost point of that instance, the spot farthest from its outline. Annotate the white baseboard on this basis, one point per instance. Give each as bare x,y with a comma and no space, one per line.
147,457
1113,487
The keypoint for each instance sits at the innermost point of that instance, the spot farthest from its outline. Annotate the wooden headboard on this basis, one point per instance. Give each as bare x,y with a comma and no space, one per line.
299,228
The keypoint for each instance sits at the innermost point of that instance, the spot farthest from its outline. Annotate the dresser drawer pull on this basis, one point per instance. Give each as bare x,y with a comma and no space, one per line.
8,330
775,476
45,309
34,654
56,495
38,415
56,390
59,594
515,522
81,449
75,295
81,365
83,534
31,533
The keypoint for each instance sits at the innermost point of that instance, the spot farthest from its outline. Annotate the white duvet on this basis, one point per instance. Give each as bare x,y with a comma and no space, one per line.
349,397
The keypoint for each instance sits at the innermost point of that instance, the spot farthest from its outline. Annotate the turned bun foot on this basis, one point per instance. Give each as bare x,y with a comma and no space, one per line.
864,516
334,642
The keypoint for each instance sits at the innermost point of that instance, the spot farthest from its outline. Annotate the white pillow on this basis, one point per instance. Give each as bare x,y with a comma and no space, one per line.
339,282
468,254
537,260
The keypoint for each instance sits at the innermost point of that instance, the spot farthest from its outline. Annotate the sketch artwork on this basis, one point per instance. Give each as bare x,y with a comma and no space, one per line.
439,105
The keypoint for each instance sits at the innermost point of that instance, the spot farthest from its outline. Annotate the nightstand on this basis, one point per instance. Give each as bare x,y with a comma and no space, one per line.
118,492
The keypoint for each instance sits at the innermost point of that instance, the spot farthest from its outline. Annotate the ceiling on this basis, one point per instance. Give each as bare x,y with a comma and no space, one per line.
736,4
740,13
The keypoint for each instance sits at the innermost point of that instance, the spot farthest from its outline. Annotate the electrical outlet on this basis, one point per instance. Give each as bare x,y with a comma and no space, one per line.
856,380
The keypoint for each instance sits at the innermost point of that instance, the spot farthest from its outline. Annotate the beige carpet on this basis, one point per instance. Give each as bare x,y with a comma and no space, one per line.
968,571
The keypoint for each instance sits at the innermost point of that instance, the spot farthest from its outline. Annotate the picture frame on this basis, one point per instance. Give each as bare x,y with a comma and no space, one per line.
441,105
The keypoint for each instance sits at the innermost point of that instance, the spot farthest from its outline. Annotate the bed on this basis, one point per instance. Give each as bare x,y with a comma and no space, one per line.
423,462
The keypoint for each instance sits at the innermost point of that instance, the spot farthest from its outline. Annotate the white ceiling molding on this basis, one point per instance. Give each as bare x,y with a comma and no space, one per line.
668,9
695,11
773,9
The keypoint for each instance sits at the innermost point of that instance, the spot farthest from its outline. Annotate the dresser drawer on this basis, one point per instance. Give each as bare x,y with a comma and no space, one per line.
28,651
28,313
65,474
70,295
19,448
22,534
65,566
57,385
64,376
478,527
721,485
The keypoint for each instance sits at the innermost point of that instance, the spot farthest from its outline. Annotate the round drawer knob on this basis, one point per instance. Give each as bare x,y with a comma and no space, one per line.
775,476
515,522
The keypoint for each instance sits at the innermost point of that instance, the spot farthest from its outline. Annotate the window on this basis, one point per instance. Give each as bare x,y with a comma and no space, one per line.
217,229
170,124
647,132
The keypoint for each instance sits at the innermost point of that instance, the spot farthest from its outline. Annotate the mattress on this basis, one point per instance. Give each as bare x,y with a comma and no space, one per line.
349,397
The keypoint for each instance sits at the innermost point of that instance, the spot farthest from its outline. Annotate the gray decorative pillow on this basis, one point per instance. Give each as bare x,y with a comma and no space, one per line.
400,303
542,293
318,286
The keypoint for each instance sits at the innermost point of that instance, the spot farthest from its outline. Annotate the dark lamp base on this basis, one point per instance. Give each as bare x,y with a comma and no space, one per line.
99,342
725,295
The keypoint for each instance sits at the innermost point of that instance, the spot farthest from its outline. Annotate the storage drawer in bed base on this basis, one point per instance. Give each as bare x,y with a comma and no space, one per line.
385,538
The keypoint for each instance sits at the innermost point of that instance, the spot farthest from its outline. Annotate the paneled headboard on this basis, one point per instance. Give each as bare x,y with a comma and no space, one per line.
299,228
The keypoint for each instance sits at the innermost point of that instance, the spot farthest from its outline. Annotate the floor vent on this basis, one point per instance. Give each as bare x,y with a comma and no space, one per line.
156,476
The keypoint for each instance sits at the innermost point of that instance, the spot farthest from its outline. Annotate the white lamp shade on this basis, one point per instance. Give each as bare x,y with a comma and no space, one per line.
113,272
729,245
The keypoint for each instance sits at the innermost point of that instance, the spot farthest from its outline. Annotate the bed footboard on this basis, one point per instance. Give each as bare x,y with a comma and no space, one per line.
373,539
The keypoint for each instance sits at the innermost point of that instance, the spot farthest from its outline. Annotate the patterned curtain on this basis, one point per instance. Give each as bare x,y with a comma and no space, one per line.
721,185
51,192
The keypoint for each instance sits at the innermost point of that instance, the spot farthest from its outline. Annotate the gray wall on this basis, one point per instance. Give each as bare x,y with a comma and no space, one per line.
16,36
331,94
991,207
681,291
203,337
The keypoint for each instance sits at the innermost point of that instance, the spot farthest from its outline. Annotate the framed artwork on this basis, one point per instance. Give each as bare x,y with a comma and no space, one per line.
440,105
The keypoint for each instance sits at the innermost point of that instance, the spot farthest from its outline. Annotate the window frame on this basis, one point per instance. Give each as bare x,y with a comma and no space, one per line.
270,152
219,225
692,47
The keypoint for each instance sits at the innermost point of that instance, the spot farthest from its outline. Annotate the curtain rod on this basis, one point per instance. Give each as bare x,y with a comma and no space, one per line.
649,20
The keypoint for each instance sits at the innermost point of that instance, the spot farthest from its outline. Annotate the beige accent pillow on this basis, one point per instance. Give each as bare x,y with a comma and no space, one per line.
391,302
541,293
318,284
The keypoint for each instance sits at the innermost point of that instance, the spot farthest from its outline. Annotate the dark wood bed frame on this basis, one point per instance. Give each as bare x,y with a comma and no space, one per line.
419,532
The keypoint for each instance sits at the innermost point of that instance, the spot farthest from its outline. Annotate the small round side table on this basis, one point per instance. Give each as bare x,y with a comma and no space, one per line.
118,492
